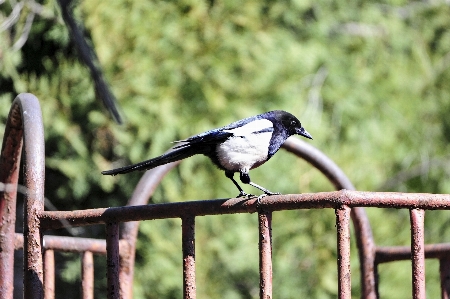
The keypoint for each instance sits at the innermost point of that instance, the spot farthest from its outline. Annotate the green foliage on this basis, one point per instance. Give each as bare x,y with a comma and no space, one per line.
369,80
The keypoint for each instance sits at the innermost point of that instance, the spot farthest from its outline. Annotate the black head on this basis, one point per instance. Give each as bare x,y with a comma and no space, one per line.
290,123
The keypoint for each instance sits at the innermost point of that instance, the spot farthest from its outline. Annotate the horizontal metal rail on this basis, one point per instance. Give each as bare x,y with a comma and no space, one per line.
339,200
333,200
342,201
386,254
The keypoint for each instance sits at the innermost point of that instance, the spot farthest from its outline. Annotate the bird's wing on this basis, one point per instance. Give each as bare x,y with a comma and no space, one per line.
208,138
255,126
241,128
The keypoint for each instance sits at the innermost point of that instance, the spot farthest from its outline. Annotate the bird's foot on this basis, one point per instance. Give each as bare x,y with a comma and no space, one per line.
266,193
271,193
258,200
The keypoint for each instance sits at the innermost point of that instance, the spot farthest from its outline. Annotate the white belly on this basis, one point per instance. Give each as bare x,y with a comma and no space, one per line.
244,153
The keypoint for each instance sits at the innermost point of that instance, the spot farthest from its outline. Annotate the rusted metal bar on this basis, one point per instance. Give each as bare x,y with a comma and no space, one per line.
127,253
366,252
418,252
265,254
343,246
9,174
34,173
444,270
87,275
377,281
49,274
188,244
385,254
112,260
75,244
50,219
129,230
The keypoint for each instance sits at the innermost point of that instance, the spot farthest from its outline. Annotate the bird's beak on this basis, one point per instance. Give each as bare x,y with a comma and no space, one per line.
304,133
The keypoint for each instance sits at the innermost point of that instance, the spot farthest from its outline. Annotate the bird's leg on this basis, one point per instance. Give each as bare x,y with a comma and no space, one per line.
230,175
264,189
245,178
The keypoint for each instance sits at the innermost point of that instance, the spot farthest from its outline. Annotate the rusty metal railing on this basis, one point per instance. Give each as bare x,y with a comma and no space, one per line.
24,127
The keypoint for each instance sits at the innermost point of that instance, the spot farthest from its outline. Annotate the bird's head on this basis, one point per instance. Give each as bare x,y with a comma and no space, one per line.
292,124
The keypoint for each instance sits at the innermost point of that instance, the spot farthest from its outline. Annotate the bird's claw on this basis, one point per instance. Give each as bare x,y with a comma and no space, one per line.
272,193
258,200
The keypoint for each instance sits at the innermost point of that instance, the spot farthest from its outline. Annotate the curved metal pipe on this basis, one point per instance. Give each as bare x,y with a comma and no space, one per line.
24,132
320,161
9,176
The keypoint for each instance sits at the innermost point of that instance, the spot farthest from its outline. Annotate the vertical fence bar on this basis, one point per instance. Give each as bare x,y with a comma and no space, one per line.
7,222
265,254
33,177
377,282
343,246
87,275
366,252
444,270
49,274
112,259
126,270
188,244
9,175
33,277
418,252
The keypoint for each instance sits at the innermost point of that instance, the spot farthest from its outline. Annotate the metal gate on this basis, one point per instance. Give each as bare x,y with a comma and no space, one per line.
24,133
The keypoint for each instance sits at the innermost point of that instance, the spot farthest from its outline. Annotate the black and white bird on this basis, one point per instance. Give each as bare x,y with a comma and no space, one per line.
238,147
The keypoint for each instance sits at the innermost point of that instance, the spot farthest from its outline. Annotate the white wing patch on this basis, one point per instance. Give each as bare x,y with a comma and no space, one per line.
251,127
246,150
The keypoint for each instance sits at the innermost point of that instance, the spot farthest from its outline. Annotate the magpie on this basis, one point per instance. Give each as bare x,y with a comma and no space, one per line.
237,147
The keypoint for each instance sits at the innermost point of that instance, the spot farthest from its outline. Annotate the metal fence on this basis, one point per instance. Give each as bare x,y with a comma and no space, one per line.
24,129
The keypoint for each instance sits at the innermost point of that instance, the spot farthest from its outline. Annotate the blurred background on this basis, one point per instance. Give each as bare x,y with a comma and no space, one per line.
370,80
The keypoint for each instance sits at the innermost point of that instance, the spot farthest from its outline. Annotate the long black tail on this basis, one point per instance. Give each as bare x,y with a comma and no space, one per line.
180,153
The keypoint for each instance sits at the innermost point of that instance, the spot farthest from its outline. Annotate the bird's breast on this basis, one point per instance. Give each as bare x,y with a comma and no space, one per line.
242,153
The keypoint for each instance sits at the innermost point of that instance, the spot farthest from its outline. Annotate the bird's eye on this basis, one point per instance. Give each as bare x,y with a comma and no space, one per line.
293,123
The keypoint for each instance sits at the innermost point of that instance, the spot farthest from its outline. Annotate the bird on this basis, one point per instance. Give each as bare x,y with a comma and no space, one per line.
238,147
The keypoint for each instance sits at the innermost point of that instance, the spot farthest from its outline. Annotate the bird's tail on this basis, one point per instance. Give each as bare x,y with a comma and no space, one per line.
181,152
